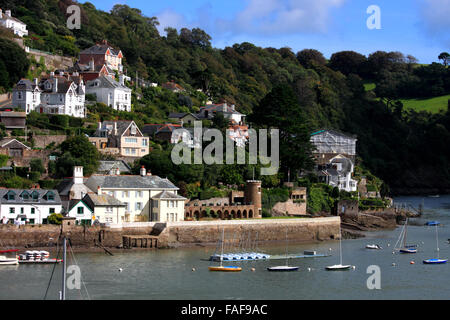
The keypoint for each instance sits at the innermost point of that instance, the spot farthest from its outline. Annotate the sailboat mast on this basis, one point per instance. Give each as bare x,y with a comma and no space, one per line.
437,241
287,243
406,233
340,243
221,255
63,292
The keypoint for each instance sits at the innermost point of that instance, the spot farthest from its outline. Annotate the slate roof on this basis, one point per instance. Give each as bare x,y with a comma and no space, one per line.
10,142
122,126
100,49
166,195
151,129
104,200
19,200
66,186
106,166
107,82
129,182
25,85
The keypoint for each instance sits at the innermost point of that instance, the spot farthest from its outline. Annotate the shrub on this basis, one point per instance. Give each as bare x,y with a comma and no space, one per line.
55,218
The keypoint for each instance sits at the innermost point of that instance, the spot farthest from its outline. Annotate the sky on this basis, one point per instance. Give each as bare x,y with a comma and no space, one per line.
417,27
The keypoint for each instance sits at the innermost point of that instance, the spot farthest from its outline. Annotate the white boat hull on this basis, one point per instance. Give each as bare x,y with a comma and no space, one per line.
338,267
8,262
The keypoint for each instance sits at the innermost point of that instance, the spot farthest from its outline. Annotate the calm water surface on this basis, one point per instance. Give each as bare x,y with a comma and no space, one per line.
167,274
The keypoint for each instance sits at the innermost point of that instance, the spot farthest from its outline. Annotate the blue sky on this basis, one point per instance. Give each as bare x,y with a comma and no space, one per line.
417,27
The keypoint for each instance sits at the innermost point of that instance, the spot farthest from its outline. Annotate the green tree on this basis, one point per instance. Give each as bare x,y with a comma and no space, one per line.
77,151
280,109
15,62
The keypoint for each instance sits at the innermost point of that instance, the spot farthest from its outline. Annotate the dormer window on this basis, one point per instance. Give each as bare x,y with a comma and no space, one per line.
50,196
25,195
11,195
35,195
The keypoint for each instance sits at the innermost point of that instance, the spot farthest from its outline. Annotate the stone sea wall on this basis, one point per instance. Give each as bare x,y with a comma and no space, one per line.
172,235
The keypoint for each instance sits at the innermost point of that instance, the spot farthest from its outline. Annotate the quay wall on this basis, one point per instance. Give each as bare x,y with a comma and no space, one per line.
173,234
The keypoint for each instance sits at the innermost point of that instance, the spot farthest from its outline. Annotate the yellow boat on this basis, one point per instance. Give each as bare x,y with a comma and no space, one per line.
222,268
225,269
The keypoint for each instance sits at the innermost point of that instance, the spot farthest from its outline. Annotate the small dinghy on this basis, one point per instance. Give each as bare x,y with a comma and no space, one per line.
373,247
432,223
225,269
283,269
435,261
339,267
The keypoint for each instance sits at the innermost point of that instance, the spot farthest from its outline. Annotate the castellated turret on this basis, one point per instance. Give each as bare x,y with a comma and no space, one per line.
252,195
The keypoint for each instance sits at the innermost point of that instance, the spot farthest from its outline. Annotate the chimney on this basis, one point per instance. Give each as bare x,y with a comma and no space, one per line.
99,190
115,128
91,65
78,175
8,13
143,171
149,173
117,172
55,84
121,79
36,81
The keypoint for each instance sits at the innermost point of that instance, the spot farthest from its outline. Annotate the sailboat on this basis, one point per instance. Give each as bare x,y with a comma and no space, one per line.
339,267
402,240
222,268
285,268
438,260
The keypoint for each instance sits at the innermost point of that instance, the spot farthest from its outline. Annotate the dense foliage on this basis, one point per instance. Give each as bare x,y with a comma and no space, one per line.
404,148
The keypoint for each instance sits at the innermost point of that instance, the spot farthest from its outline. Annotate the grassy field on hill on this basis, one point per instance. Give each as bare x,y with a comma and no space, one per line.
433,105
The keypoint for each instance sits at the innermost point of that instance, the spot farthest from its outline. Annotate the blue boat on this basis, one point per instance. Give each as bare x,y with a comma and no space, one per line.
432,223
408,250
435,261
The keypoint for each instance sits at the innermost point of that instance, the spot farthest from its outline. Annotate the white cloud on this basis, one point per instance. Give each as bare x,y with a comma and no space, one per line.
170,18
436,18
276,17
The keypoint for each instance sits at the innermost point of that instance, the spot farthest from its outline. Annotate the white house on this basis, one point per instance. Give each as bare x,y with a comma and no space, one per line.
143,196
80,211
18,27
110,92
26,95
61,95
53,95
34,205
229,112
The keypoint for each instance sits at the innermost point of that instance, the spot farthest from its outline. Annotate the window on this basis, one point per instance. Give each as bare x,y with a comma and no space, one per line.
35,195
50,196
12,210
109,210
139,194
127,206
138,206
125,194
80,210
19,95
155,204
144,142
25,195
51,210
33,210
11,195
131,140
22,210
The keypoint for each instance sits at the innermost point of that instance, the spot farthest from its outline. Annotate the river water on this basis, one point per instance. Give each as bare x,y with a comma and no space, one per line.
168,274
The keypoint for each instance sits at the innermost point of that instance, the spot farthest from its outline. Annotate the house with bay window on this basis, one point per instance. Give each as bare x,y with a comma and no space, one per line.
111,92
33,205
120,138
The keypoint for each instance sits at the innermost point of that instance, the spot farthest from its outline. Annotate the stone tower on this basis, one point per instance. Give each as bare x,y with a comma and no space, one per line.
252,195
